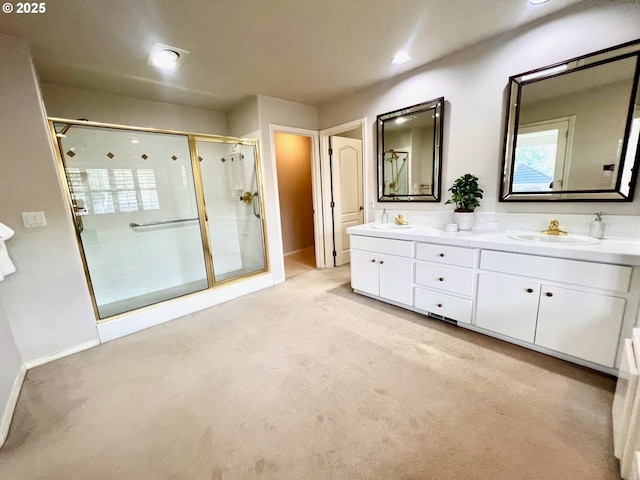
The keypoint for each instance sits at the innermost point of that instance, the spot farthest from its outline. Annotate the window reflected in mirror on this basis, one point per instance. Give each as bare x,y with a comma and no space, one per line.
409,153
573,129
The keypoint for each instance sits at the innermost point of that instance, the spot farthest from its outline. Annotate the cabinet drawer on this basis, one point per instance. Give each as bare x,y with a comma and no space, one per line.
443,304
463,257
454,280
401,248
596,275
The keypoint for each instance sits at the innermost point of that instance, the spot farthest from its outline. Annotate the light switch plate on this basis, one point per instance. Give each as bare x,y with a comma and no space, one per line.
34,219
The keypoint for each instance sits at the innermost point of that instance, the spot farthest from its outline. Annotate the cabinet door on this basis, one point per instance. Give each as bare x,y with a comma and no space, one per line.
395,275
585,325
508,306
364,272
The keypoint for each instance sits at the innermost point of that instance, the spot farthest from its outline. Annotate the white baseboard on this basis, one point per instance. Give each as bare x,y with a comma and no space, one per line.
64,353
300,250
7,415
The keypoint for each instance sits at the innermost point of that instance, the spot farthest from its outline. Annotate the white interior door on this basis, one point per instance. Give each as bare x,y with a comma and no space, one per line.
346,178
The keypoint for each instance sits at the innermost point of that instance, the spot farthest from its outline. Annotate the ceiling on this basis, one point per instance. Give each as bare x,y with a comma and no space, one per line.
307,51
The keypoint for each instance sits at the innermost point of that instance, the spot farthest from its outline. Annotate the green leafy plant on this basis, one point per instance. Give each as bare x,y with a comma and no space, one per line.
465,193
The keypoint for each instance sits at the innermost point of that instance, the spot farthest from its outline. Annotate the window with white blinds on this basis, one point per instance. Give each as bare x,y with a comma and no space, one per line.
104,190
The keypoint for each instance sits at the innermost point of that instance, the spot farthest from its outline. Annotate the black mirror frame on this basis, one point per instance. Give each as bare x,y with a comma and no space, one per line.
516,82
437,105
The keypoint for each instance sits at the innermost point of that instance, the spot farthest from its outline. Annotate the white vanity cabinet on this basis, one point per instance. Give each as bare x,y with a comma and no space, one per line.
574,303
383,268
445,280
580,324
508,306
581,317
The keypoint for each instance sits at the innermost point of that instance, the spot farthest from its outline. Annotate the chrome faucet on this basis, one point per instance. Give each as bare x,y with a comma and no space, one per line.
554,229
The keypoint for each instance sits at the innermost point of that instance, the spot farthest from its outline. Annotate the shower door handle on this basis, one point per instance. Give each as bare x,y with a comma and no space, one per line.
255,204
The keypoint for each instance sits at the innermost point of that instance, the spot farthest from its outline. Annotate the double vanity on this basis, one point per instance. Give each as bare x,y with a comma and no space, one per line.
572,297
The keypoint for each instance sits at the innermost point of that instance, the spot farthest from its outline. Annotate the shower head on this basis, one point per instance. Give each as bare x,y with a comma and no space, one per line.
62,133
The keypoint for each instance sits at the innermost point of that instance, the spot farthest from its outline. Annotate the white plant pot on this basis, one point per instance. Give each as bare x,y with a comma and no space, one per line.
464,220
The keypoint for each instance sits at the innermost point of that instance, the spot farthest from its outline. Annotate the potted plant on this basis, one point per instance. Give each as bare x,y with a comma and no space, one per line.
466,195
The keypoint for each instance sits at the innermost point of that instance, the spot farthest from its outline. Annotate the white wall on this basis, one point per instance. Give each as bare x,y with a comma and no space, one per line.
11,363
46,301
70,103
474,83
244,118
278,112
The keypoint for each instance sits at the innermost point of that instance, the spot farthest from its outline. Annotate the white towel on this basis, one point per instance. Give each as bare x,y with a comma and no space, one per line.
6,265
5,232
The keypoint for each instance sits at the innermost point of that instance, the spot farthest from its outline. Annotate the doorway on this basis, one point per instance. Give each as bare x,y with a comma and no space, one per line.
346,188
293,154
342,154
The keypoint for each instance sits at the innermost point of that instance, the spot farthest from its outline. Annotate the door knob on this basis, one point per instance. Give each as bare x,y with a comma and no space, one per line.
361,208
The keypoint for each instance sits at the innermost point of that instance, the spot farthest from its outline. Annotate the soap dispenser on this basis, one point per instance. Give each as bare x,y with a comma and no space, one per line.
596,229
385,216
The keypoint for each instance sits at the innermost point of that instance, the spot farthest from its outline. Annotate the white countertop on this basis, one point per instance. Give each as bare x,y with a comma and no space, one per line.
609,250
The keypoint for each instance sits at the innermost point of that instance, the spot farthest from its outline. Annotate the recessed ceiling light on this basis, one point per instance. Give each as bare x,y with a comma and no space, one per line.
536,2
166,57
400,58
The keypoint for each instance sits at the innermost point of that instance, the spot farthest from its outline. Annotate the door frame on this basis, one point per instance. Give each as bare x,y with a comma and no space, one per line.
325,167
316,187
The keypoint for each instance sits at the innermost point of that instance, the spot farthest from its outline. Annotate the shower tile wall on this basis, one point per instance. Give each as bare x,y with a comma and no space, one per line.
130,262
235,232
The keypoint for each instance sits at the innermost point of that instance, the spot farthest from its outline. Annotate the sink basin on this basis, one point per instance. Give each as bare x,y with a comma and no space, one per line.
566,240
390,226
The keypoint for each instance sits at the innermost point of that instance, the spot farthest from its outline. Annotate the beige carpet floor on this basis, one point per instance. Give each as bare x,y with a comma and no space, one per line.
307,380
299,262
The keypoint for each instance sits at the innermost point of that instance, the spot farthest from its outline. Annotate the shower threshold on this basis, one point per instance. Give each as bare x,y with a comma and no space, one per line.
140,301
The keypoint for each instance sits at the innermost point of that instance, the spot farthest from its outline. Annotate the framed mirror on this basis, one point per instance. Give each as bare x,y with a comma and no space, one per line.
572,129
410,153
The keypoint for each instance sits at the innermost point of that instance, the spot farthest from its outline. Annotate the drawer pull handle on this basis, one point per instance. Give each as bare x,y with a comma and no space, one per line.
529,290
373,260
440,305
441,279
381,262
442,254
549,294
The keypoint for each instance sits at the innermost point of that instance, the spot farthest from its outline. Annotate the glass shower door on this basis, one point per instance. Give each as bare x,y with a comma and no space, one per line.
135,205
232,198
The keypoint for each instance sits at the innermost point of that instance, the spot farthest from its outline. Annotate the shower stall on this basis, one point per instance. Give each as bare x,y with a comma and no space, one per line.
160,214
